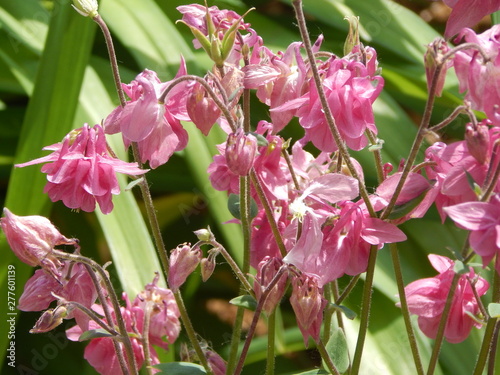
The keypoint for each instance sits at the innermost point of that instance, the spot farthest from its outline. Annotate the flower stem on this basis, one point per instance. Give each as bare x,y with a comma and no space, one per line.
186,322
488,342
404,308
271,337
365,310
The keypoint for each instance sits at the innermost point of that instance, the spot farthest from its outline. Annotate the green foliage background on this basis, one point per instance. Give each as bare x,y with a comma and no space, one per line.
54,77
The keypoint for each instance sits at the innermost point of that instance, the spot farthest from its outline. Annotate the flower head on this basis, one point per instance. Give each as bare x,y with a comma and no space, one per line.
81,172
427,299
87,8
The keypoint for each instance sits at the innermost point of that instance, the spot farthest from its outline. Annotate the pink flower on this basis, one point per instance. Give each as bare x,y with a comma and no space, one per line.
483,220
74,285
32,239
202,110
427,298
240,152
467,13
154,126
479,78
350,87
266,271
81,172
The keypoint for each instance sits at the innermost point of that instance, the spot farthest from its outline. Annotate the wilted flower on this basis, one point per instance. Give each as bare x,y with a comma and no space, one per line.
183,261
266,271
50,319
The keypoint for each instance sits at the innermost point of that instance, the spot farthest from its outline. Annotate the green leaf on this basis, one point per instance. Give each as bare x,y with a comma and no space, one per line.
345,310
179,368
404,209
246,301
460,268
338,350
94,334
494,310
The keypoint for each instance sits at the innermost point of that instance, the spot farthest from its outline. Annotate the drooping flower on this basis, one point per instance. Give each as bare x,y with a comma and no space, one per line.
153,125
183,261
241,150
427,298
483,220
266,271
32,239
467,13
81,172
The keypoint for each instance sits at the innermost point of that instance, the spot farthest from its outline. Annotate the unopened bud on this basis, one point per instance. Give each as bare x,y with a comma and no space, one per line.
87,8
183,261
267,270
204,234
208,265
240,152
478,141
353,35
432,60
50,319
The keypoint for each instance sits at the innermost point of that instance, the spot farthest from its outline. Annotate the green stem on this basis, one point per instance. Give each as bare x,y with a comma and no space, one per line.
404,308
490,329
327,315
379,163
186,322
271,338
145,337
365,310
347,290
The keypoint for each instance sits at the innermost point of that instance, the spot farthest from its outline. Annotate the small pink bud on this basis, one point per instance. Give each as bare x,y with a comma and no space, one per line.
50,319
207,267
267,269
217,364
240,152
201,109
432,59
183,261
478,141
308,303
32,239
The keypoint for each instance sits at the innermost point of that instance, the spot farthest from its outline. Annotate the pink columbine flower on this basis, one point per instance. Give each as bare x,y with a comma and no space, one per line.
81,172
427,298
32,239
153,125
74,285
266,271
483,220
479,78
241,150
467,13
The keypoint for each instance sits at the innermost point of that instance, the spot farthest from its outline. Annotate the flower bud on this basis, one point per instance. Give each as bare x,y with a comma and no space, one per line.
240,152
216,363
183,261
201,109
204,234
32,239
87,8
478,141
432,59
50,319
267,270
208,265
308,303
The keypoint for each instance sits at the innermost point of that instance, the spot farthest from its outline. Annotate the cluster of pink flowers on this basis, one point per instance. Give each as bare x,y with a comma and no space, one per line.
326,229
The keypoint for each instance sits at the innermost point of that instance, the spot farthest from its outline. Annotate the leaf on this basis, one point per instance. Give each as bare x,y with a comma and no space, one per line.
338,350
345,310
494,310
94,334
179,368
460,268
246,301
